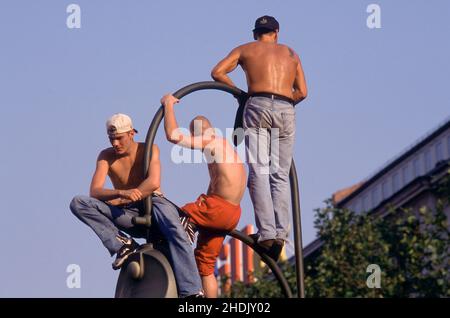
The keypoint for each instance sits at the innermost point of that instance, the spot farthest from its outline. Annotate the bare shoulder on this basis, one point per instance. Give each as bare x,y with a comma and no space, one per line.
155,149
245,46
291,51
142,146
106,154
248,44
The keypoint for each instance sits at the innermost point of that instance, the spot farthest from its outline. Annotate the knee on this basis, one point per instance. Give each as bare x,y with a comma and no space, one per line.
164,210
280,177
78,202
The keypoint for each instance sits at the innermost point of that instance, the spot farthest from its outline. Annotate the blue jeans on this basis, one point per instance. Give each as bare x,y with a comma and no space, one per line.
269,139
107,220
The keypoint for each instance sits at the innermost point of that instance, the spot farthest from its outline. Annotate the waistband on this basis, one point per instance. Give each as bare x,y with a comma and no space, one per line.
273,96
218,198
134,205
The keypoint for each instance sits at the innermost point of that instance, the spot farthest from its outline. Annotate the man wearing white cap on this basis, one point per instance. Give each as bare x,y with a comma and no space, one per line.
109,212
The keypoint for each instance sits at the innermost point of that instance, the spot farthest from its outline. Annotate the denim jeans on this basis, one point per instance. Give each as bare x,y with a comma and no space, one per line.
106,221
269,139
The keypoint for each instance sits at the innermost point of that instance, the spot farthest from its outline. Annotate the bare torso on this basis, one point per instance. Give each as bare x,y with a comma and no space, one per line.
126,172
269,67
227,171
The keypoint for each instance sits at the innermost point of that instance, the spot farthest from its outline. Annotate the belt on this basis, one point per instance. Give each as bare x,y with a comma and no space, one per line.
273,96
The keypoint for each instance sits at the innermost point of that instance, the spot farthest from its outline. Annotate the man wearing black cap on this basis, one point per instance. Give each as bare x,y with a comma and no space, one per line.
276,83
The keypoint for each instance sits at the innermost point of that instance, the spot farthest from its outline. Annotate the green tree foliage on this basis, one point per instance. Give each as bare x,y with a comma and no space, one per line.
411,248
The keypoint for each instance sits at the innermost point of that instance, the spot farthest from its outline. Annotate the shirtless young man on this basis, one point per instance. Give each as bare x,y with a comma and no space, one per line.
218,211
109,212
276,83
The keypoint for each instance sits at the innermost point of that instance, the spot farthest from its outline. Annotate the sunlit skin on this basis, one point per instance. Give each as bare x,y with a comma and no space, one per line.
123,163
227,175
269,67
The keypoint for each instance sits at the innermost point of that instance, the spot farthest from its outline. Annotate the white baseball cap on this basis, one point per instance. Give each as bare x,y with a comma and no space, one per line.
119,123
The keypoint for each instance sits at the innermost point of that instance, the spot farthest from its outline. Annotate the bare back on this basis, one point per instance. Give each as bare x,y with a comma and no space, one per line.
226,170
269,67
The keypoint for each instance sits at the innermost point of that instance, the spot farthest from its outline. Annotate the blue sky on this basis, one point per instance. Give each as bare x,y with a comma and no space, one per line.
372,92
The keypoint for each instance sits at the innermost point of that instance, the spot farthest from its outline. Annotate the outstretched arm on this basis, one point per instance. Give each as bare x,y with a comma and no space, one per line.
173,132
227,65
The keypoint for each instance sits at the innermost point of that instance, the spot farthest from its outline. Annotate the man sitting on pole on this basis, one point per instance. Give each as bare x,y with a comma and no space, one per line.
109,212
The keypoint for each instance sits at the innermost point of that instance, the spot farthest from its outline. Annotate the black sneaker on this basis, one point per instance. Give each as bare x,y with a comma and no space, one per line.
129,246
276,249
271,248
189,227
254,237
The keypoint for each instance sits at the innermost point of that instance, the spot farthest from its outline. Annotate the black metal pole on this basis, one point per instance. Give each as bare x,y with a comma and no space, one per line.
296,216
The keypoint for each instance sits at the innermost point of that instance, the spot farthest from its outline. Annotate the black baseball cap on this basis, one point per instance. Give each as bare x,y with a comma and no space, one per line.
266,23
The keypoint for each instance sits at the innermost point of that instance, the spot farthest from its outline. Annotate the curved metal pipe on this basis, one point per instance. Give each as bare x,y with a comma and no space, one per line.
241,96
151,133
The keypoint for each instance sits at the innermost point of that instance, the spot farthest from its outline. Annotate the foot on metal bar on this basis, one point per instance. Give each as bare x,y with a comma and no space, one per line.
271,248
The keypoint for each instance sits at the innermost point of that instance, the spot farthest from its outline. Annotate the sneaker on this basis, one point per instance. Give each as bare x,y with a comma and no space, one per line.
271,248
254,237
129,246
189,227
276,249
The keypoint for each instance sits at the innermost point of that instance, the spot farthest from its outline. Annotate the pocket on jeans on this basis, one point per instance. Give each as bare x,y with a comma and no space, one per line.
252,117
288,123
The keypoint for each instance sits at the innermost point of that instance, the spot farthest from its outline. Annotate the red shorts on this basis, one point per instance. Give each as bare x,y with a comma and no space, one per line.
214,217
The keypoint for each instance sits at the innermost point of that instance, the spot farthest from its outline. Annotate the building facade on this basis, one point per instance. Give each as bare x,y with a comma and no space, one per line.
404,182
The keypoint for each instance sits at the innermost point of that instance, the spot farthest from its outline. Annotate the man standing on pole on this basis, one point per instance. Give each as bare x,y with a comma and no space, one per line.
276,83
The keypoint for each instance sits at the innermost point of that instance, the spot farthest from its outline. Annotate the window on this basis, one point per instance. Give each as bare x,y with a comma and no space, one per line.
396,182
428,163
366,203
448,145
386,189
417,167
407,173
427,160
376,196
439,152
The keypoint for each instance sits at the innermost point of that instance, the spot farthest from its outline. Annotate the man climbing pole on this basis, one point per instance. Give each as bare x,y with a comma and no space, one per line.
217,212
